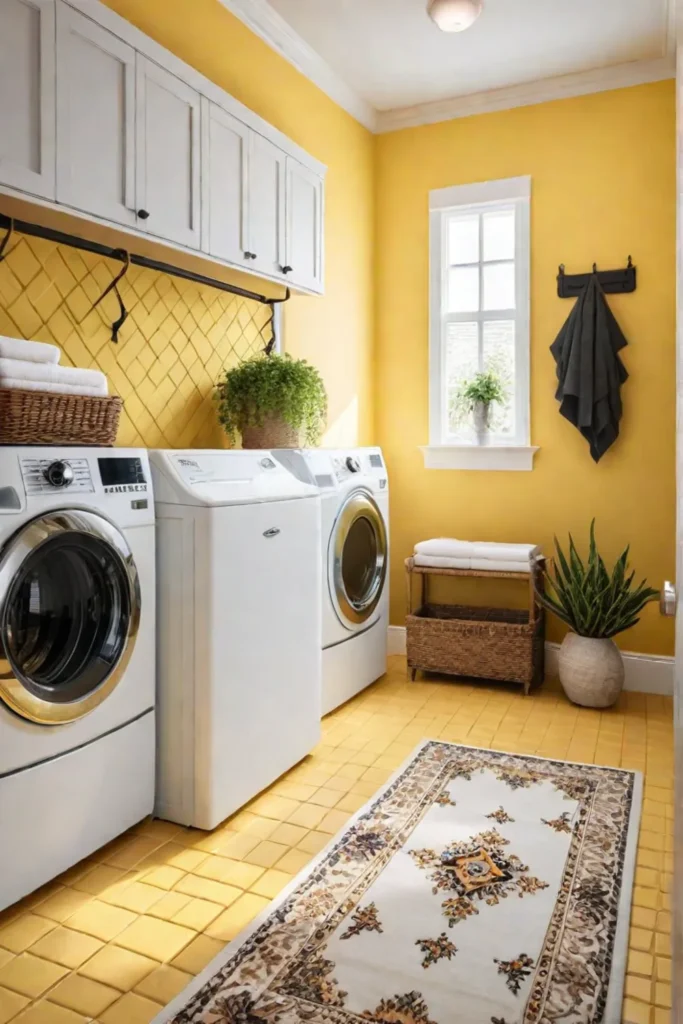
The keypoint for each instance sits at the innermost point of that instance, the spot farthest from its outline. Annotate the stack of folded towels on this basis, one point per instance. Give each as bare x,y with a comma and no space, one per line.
32,366
448,553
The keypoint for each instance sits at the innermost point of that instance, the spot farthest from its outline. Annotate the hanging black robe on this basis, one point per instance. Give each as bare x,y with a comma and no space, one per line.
589,370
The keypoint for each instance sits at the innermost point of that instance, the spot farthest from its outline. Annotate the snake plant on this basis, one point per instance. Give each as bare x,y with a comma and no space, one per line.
592,601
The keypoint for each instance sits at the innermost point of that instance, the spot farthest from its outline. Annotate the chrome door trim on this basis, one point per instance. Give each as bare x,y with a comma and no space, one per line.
27,539
358,505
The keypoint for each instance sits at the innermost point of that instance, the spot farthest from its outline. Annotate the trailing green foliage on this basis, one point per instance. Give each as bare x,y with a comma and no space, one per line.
588,598
484,387
273,385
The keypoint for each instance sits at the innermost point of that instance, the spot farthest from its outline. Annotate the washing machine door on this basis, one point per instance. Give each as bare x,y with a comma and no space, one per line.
358,563
69,615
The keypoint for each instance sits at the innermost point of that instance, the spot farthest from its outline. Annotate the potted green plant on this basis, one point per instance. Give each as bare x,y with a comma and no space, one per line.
478,395
596,605
272,401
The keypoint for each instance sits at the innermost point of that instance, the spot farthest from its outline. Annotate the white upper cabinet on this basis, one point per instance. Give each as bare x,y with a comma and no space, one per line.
304,233
27,88
95,119
225,152
167,156
266,207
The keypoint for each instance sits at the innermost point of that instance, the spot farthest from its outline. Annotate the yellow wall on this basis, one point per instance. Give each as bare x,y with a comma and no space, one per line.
603,186
164,370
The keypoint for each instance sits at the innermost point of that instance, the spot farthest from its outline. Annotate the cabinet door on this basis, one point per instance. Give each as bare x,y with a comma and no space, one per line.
167,154
95,119
27,88
225,142
304,226
266,206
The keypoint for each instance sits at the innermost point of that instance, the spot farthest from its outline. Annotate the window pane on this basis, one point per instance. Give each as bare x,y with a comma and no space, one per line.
499,235
463,290
462,363
499,286
463,239
499,358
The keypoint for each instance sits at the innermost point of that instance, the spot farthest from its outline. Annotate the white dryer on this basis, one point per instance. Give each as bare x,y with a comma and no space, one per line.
77,645
354,492
239,627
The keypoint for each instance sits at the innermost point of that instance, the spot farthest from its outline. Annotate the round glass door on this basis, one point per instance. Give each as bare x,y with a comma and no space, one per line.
359,568
69,610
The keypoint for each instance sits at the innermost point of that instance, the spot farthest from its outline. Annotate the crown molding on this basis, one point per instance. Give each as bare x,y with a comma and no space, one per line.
619,76
268,25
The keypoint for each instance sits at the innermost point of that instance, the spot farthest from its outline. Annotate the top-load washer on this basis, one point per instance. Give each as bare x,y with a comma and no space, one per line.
239,627
354,492
77,656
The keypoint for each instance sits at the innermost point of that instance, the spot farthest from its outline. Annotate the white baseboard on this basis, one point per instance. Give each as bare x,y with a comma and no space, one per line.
645,673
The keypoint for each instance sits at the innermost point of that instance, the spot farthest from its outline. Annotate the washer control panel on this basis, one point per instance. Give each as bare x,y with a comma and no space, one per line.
43,476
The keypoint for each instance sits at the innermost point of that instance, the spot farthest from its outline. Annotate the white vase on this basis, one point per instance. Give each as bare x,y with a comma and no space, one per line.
591,671
481,413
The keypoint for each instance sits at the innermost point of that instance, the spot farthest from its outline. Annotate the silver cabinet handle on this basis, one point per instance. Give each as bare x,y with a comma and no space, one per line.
668,599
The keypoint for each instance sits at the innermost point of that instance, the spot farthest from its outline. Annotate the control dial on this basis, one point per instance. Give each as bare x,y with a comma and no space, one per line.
353,465
59,474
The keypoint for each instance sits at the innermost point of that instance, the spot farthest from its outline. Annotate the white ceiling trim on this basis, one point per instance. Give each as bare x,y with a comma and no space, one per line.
619,76
265,22
272,28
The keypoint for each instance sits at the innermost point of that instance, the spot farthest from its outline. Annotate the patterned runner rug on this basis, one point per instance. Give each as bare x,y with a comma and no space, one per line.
477,887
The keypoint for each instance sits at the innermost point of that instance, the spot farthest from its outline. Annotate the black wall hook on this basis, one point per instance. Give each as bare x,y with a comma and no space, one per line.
612,282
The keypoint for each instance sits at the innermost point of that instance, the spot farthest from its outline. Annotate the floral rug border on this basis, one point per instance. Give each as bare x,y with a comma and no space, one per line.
610,1002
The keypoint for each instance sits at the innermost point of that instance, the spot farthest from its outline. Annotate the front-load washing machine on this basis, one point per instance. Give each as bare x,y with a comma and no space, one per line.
354,493
239,627
77,656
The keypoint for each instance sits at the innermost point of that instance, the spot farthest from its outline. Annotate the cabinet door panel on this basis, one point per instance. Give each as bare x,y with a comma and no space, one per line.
27,85
95,119
225,142
168,148
304,226
266,206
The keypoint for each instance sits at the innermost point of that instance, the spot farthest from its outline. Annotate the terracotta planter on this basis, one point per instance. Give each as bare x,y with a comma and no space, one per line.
591,671
481,415
273,433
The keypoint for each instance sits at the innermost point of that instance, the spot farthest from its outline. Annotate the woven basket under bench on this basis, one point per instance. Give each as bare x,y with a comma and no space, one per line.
481,643
41,417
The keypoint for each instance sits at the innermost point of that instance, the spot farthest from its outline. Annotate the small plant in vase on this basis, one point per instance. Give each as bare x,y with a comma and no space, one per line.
478,396
272,401
596,605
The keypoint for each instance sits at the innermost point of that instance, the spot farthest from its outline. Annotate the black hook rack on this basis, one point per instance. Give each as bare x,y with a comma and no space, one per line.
612,282
76,242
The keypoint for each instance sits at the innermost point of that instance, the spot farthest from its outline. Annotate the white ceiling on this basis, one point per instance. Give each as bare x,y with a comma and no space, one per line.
387,55
392,54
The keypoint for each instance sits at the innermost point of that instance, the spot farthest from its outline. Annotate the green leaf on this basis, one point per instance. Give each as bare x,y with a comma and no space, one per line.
593,601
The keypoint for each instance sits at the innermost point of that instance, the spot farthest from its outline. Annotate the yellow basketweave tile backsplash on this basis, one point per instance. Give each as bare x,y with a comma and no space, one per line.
177,339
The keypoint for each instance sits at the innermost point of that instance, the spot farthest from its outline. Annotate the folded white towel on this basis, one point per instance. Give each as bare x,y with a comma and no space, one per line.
48,373
480,564
13,384
28,351
448,547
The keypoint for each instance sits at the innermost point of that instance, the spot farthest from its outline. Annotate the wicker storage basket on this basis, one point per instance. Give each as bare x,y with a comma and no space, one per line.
40,417
482,643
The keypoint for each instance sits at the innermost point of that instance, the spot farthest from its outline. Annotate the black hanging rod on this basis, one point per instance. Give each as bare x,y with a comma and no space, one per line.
613,282
76,242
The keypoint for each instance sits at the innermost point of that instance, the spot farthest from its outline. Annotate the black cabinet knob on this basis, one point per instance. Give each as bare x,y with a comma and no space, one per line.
287,269
143,214
250,255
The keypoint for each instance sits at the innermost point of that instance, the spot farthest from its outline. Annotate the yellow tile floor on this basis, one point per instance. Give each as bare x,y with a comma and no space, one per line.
116,937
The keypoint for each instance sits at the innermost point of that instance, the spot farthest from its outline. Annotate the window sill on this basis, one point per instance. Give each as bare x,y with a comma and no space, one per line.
470,456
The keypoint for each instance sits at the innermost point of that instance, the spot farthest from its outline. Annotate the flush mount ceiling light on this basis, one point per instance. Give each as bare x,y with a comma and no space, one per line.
454,15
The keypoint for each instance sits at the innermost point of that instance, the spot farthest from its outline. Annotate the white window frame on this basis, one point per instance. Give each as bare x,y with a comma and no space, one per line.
444,451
